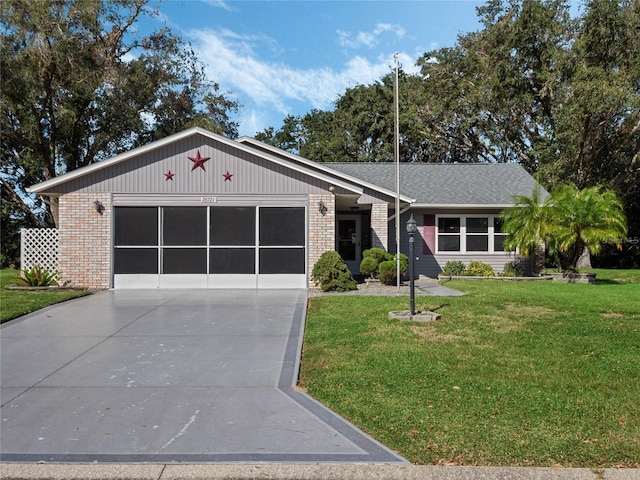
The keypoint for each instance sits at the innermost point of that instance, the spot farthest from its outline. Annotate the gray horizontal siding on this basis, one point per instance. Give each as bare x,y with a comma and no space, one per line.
146,173
432,265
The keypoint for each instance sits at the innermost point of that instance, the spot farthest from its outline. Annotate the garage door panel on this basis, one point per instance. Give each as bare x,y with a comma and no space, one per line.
136,281
182,281
184,226
232,260
232,226
136,226
282,260
135,261
232,281
184,260
282,226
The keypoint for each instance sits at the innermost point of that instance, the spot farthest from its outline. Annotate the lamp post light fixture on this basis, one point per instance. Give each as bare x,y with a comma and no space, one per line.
412,228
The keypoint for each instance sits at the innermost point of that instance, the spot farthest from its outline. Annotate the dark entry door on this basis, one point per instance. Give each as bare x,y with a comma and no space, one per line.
349,241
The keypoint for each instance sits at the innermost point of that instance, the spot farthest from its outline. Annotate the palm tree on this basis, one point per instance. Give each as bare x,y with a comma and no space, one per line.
525,224
580,222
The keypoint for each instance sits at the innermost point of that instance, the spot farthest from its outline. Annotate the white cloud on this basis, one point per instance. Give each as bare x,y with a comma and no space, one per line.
274,87
218,4
368,39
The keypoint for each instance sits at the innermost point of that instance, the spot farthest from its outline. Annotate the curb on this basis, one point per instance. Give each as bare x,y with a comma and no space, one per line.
12,471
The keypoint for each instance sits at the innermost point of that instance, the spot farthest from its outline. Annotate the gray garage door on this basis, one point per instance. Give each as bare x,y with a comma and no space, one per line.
209,247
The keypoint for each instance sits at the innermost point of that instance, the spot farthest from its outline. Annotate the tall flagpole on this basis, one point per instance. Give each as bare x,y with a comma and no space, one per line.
397,160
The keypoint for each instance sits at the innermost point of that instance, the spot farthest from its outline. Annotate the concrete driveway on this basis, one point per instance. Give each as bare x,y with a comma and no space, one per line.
167,376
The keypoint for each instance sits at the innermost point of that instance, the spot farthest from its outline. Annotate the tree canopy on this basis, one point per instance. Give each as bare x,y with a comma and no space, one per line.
557,93
81,85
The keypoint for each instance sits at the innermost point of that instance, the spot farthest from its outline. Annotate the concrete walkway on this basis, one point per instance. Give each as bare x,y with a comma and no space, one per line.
168,376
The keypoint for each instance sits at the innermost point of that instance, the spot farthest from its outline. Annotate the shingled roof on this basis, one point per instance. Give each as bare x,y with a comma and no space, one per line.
447,184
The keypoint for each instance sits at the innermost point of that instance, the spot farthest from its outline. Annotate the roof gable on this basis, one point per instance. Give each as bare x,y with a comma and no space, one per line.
185,145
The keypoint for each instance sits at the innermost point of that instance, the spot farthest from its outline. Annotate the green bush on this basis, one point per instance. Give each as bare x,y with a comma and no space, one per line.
38,277
387,272
454,268
512,269
479,269
369,266
331,273
378,254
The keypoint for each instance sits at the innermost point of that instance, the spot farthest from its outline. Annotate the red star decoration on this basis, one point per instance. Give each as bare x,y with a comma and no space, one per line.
169,176
198,161
227,176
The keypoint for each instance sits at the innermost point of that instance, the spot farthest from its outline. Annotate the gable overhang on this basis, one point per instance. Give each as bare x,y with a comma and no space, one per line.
44,187
260,146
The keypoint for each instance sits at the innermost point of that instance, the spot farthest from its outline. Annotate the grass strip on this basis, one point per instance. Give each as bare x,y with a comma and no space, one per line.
15,303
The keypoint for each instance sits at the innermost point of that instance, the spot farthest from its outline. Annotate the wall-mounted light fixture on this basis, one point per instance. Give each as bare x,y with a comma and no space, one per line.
332,188
322,208
99,207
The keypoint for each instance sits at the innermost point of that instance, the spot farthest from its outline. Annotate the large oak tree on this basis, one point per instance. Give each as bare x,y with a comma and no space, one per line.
80,84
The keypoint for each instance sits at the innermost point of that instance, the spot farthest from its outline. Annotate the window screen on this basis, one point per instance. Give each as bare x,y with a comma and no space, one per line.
135,260
282,260
184,226
282,226
477,243
184,260
449,243
448,225
477,225
233,226
136,226
232,260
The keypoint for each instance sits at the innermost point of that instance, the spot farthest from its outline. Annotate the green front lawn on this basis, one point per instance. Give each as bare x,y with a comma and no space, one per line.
515,373
14,303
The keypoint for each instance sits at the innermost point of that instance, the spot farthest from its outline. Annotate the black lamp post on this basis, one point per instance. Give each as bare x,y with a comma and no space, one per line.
412,228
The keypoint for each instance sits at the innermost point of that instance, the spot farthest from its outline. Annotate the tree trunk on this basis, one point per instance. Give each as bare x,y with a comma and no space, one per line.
584,261
538,257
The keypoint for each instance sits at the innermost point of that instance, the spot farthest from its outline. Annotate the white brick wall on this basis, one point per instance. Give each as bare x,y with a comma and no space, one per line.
85,240
322,228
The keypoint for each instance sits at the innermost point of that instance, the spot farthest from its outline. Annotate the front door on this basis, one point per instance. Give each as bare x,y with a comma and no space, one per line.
349,241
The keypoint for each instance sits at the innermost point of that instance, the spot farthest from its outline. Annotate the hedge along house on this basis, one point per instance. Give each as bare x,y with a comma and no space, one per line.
197,210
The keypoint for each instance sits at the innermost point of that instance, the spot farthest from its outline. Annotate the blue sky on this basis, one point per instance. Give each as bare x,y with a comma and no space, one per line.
287,57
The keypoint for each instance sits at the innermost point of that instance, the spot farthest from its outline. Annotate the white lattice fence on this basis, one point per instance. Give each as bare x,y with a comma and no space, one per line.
39,246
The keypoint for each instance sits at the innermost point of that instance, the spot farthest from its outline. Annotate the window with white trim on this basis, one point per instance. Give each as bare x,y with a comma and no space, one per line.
469,234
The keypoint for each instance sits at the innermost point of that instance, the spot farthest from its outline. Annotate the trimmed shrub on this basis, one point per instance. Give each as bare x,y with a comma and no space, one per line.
387,272
379,254
369,266
331,273
479,269
454,268
37,276
512,269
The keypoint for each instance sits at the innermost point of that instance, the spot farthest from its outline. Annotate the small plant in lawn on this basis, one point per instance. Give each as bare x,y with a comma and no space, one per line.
331,273
38,276
454,268
479,269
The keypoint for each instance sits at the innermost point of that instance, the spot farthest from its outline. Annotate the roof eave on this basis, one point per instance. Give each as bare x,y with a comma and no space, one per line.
327,170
